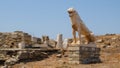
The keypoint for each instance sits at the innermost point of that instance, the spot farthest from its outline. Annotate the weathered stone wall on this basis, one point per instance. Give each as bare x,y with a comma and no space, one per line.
12,39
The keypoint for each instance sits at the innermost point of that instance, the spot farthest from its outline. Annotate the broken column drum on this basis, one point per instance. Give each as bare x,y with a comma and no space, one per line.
59,41
65,44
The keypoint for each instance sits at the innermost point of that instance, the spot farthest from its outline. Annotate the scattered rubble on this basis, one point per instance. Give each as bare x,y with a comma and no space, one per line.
109,55
108,41
14,39
18,45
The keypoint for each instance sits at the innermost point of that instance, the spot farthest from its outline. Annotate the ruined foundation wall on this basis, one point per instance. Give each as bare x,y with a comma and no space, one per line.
11,39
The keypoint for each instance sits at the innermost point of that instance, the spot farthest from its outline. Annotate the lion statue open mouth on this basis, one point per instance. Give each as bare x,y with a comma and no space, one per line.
80,27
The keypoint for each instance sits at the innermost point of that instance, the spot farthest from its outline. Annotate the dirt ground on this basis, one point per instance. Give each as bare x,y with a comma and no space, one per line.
109,60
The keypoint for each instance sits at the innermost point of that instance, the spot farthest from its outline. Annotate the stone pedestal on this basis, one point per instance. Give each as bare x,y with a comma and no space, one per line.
83,54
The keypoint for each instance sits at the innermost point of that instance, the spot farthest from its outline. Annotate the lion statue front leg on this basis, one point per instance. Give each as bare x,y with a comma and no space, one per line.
79,34
74,36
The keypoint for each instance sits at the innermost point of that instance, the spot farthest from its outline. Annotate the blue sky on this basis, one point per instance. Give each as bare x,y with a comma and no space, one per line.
50,17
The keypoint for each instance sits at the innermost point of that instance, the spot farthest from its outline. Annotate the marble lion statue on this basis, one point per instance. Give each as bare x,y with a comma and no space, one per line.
80,27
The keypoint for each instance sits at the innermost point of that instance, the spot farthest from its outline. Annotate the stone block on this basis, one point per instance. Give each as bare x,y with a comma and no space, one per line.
74,62
73,48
